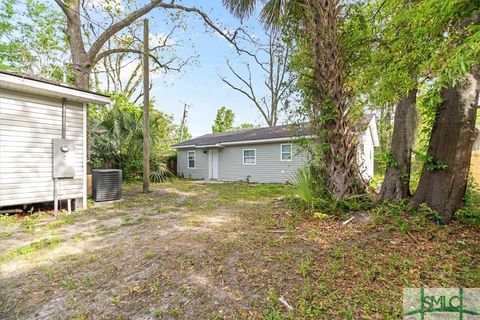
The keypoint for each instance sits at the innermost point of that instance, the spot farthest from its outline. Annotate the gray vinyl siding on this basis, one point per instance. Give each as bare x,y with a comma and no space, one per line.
268,167
28,123
201,164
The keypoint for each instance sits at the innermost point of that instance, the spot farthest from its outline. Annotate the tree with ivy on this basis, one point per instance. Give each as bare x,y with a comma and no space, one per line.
426,52
325,66
454,97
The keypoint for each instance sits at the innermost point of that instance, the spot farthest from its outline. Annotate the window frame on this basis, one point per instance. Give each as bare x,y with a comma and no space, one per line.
194,159
254,158
281,151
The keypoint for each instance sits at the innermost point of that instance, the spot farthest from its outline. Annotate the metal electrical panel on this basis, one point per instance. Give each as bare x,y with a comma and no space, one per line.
63,158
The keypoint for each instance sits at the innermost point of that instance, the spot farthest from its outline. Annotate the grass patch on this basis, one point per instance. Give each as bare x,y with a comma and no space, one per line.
69,284
158,312
166,209
46,243
149,255
470,214
127,221
5,234
257,246
61,221
6,219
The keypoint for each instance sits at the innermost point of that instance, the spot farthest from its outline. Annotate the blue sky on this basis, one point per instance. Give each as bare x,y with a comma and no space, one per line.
200,85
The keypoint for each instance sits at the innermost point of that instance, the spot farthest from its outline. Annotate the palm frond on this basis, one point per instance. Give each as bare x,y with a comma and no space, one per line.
304,186
240,8
161,173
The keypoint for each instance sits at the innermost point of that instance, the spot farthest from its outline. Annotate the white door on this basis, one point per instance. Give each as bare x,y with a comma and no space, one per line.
213,164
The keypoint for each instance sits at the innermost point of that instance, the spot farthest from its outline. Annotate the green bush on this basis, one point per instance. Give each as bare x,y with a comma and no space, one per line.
160,173
116,135
304,186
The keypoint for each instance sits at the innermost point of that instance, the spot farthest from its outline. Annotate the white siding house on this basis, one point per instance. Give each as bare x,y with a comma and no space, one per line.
229,164
266,155
30,117
366,149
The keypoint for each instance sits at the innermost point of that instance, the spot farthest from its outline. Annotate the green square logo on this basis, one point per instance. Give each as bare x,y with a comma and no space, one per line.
441,303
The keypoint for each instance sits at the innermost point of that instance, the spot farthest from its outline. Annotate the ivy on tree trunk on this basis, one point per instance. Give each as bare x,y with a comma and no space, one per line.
443,181
396,185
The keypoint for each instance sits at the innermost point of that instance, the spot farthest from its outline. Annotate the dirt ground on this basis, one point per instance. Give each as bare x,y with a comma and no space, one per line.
191,250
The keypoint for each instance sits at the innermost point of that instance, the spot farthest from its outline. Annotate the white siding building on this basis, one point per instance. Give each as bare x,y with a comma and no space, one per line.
31,116
266,155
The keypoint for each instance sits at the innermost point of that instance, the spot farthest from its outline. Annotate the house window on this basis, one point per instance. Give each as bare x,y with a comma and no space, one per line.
249,156
191,159
286,152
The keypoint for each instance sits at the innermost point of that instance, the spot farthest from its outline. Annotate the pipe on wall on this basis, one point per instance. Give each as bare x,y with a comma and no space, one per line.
64,136
64,118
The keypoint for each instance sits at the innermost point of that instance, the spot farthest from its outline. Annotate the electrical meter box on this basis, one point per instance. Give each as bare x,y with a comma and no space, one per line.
63,158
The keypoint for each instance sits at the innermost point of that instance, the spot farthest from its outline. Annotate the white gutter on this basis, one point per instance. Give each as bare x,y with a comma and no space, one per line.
218,145
52,90
261,141
223,144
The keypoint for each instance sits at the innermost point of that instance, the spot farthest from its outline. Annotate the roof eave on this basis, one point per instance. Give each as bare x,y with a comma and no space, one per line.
57,91
241,142
183,147
258,141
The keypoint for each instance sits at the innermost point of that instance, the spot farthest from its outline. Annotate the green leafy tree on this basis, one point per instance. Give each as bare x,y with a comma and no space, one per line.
186,135
453,103
223,121
425,54
31,40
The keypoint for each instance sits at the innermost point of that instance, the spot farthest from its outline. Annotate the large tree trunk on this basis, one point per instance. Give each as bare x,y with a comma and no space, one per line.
329,110
451,143
396,184
81,61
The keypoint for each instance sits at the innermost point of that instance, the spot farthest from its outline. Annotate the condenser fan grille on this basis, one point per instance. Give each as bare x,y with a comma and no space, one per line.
106,185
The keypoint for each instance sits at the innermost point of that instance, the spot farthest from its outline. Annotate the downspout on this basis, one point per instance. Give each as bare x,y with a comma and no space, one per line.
64,118
55,180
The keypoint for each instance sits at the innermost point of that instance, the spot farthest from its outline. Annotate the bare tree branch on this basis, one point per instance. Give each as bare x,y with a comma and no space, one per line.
116,27
272,59
166,65
63,7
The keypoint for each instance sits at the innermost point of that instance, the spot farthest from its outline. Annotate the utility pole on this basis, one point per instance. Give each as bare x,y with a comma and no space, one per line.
146,102
182,125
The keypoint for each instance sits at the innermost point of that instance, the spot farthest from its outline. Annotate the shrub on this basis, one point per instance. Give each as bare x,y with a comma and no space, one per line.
116,135
160,173
304,186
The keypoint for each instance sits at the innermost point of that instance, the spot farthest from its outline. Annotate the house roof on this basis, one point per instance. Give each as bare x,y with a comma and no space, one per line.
277,133
33,84
284,132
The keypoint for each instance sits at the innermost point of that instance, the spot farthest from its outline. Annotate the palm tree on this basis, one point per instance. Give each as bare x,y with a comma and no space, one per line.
117,140
328,110
271,12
